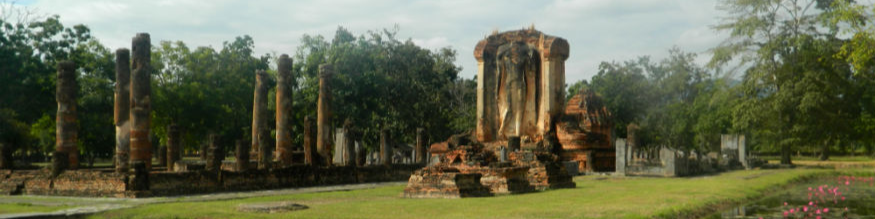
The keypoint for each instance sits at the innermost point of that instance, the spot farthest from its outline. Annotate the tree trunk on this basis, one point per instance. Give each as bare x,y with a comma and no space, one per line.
785,155
824,154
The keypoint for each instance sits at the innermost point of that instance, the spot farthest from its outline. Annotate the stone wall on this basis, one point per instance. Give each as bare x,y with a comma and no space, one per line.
94,183
72,183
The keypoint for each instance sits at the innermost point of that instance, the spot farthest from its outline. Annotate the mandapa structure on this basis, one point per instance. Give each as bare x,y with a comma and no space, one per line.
585,133
515,148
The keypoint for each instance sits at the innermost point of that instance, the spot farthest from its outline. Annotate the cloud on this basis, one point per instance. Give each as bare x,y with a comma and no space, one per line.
596,30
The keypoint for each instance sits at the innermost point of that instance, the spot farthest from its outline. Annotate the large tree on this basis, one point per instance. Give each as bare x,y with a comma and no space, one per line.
771,41
382,82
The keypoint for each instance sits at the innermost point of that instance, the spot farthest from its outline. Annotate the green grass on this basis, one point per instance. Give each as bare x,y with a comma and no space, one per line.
831,158
11,208
594,197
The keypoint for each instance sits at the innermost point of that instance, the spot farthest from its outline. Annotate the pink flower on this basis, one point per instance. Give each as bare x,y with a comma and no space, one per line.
847,182
785,203
843,198
792,211
810,203
786,214
818,211
809,189
825,210
805,209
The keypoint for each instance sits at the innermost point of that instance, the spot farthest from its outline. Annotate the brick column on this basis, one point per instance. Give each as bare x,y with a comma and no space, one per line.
385,148
348,143
260,130
173,146
141,103
420,146
242,156
310,158
214,154
66,122
323,117
284,111
122,110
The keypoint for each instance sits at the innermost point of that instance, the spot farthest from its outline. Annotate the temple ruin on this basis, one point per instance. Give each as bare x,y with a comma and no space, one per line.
520,94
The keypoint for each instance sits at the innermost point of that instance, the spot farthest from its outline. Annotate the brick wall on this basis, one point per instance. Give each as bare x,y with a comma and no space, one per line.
93,183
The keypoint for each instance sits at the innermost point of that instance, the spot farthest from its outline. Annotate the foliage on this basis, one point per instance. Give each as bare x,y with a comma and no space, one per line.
381,82
793,86
675,102
30,47
204,91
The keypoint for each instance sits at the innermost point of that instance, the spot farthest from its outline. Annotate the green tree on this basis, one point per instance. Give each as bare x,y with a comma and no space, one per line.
382,82
770,38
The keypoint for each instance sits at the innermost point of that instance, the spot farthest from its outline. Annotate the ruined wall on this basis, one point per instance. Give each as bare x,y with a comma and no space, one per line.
91,183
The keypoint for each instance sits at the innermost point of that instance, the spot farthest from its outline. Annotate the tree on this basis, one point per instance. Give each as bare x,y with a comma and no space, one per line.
30,47
205,91
382,82
625,90
770,38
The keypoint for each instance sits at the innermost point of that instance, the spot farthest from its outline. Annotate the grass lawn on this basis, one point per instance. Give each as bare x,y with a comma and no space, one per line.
837,162
11,208
594,197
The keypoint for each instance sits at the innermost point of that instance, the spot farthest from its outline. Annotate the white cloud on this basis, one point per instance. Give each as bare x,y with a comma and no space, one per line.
596,30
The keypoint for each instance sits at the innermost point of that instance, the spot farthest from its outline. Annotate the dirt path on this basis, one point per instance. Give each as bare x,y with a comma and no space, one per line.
86,206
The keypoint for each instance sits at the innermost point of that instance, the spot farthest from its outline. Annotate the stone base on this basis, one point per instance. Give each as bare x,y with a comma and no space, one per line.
431,182
503,180
544,170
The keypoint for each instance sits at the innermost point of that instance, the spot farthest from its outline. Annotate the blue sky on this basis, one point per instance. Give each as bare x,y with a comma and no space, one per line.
597,30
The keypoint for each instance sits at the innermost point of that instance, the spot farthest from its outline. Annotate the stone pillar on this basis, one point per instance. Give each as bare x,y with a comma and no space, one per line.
667,156
590,161
242,156
284,146
385,148
66,122
140,181
310,158
620,164
214,154
122,110
162,156
260,130
361,154
323,117
204,150
632,140
141,101
348,144
5,156
173,149
513,143
420,146
60,162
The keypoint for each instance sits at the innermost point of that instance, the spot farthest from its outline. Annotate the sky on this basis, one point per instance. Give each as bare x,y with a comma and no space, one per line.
597,30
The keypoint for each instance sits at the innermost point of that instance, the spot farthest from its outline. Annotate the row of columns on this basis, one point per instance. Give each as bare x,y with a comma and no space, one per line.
317,149
133,108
